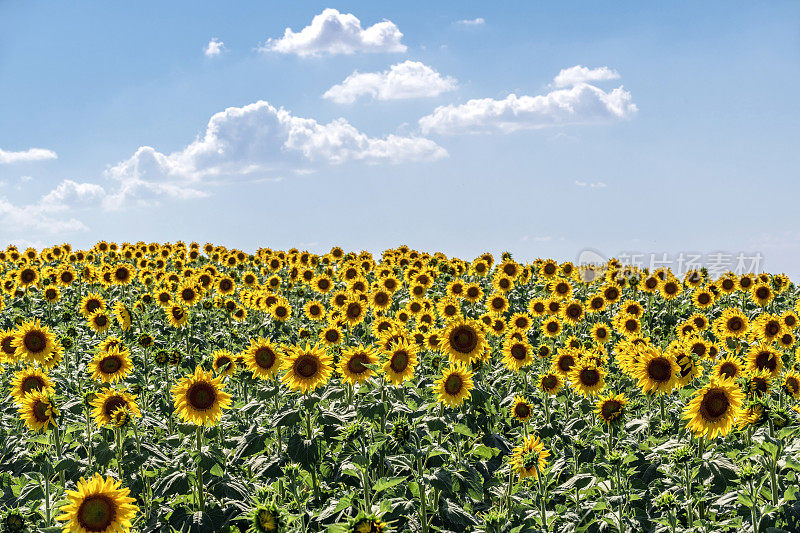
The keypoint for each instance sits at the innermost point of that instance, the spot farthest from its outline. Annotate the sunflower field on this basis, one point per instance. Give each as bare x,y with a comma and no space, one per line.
165,387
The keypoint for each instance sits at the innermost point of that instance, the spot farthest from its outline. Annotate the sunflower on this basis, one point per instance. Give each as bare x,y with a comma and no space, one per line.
564,361
610,407
37,411
463,340
188,294
763,358
656,371
473,293
307,368
455,384
379,298
98,505
223,362
729,367
601,332
759,383
199,398
99,321
331,335
732,323
267,519
90,303
30,380
112,365
353,361
670,288
587,378
281,310
51,294
314,310
521,410
176,315
497,304
517,354
263,359
7,347
550,383
123,316
33,342
714,408
401,360
551,327
105,403
762,294
530,458
354,311
366,523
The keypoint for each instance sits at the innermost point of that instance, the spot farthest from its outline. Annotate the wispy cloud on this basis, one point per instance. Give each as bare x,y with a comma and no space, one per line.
471,22
591,185
214,48
31,154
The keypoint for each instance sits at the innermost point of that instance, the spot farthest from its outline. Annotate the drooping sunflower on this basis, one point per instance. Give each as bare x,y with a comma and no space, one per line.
267,519
112,365
656,371
106,402
353,361
517,354
7,348
123,316
587,378
714,408
463,340
33,342
791,384
521,410
366,523
199,398
98,506
401,360
263,359
30,380
455,385
529,458
223,362
37,411
610,407
307,368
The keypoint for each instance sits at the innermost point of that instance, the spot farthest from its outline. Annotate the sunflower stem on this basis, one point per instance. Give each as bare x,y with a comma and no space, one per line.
423,510
118,447
201,503
47,494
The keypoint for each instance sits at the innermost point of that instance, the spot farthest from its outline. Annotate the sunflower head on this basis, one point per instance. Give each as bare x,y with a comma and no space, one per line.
98,505
307,367
530,458
714,408
199,398
455,385
611,407
38,411
463,340
587,378
521,409
267,519
353,364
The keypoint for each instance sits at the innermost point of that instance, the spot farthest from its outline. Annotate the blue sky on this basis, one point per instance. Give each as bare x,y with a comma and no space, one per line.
679,134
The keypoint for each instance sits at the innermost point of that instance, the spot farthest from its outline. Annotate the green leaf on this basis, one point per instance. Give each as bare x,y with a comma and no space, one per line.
387,483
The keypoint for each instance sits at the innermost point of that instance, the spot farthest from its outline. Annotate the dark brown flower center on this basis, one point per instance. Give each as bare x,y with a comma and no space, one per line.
735,324
110,364
728,369
659,369
522,410
96,512
610,409
549,382
762,293
519,352
265,357
35,341
32,383
464,339
453,384
766,361
703,298
565,362
714,404
399,361
306,365
113,403
201,395
589,377
356,364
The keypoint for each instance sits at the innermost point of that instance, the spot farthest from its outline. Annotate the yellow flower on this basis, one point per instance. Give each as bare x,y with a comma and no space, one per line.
98,506
714,408
307,368
455,385
199,398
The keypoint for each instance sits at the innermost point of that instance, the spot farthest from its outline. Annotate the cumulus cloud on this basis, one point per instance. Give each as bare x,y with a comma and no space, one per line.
257,138
214,48
409,79
471,22
32,154
332,32
42,215
580,74
580,104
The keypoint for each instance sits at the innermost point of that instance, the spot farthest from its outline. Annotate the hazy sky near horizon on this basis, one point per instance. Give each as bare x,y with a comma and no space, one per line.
539,128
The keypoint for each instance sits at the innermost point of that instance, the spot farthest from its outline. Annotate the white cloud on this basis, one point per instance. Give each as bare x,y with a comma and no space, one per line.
256,138
32,154
41,216
214,48
409,79
580,74
471,22
591,185
332,32
580,104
